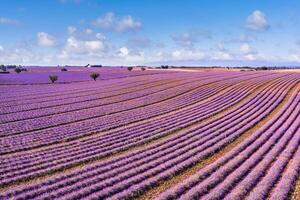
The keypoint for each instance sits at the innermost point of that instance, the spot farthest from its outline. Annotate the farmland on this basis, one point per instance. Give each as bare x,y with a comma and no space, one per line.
153,134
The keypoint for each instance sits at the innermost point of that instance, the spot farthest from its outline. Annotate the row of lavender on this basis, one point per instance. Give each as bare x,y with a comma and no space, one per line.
18,93
100,138
70,76
46,105
105,143
15,101
161,160
139,112
264,166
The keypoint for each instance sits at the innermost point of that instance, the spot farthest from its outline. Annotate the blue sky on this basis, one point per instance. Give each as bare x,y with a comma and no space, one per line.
150,32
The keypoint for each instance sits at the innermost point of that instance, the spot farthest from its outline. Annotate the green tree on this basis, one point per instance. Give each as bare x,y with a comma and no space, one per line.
53,78
94,76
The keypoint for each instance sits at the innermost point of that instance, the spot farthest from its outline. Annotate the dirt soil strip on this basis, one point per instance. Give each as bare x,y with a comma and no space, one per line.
150,194
165,185
295,194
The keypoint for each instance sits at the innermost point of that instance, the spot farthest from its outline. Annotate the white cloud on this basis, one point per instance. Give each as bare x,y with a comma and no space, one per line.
128,23
222,55
8,21
88,31
257,21
1,48
74,45
45,39
100,36
110,21
189,39
123,52
187,55
105,21
247,49
130,57
72,30
294,57
94,45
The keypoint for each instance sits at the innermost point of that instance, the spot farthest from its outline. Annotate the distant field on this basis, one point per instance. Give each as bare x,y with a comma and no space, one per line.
153,134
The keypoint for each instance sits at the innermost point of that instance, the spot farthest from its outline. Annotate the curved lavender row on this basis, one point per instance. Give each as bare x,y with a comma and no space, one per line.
250,171
179,148
39,90
14,93
193,180
137,115
39,123
33,78
93,153
166,169
78,99
94,102
43,122
63,107
175,192
91,102
54,90
263,188
150,126
13,142
211,192
73,97
288,178
93,91
110,135
57,96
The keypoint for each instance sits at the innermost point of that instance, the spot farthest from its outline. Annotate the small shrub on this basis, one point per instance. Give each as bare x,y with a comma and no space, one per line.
63,69
96,66
18,70
94,76
130,68
3,68
23,69
53,78
143,68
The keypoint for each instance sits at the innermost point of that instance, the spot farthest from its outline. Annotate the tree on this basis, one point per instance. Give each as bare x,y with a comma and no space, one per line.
96,66
63,69
130,68
94,76
53,78
3,68
18,70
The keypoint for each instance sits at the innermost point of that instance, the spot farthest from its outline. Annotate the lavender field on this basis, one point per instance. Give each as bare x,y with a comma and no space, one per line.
153,134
